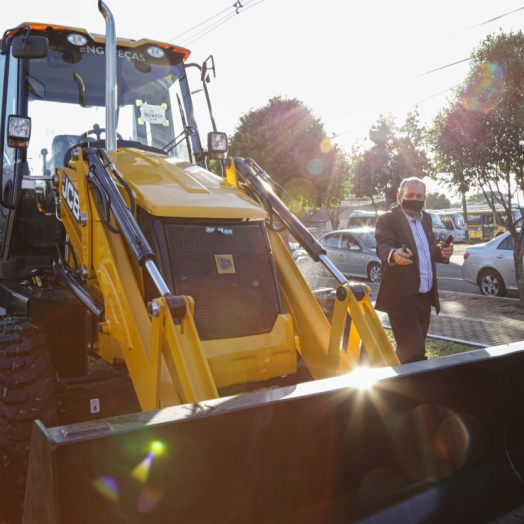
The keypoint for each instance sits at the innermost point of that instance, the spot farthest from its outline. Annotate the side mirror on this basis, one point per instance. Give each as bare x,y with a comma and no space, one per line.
216,145
30,47
18,131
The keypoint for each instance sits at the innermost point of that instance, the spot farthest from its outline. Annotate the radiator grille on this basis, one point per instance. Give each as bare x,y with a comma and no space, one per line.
232,300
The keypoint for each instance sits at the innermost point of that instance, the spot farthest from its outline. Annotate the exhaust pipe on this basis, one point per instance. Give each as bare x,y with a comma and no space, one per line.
111,82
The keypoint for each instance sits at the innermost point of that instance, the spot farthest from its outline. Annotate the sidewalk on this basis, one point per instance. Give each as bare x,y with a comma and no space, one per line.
475,319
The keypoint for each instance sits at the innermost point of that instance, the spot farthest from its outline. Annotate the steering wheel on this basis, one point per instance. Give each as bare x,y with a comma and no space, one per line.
97,131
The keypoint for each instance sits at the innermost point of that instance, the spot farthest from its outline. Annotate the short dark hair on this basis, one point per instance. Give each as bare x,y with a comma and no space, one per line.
411,179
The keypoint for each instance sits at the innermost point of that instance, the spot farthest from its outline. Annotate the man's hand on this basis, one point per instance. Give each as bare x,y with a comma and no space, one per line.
401,257
446,250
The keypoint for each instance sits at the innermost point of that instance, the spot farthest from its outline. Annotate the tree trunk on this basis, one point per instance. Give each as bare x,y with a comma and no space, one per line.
465,209
519,274
334,217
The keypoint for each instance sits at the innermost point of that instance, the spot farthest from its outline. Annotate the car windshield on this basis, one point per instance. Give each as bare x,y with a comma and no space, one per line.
368,238
435,219
69,84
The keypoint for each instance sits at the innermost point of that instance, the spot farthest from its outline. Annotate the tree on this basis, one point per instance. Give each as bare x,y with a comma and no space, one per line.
478,138
437,201
291,145
396,153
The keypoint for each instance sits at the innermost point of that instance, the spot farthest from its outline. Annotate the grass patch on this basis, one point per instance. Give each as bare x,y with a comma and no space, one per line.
436,347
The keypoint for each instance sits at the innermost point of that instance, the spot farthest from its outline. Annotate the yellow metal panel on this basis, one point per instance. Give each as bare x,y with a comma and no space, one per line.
255,358
311,325
166,186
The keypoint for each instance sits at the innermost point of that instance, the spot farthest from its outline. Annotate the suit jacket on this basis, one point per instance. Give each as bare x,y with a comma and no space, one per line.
399,285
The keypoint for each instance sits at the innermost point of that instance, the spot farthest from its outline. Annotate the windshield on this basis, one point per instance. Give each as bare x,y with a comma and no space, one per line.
369,239
435,219
66,101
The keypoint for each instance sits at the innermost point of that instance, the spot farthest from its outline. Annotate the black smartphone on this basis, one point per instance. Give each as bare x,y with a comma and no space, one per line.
449,240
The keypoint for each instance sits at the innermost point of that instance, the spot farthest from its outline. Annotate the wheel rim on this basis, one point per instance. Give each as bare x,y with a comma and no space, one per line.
490,285
375,274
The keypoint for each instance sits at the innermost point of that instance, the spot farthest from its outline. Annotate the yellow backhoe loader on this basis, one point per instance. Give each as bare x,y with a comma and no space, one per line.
162,358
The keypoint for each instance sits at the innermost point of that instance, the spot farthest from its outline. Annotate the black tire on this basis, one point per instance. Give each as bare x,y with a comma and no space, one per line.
491,284
374,272
27,393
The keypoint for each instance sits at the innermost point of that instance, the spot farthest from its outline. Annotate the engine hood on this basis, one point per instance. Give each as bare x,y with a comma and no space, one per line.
169,187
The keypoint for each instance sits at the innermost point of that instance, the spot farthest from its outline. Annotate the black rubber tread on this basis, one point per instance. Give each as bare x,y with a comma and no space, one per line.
27,393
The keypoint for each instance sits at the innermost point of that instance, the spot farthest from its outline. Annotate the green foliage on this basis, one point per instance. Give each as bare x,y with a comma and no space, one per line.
437,201
478,138
291,145
396,153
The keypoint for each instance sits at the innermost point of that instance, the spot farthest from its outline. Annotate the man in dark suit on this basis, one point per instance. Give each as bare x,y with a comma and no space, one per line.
408,287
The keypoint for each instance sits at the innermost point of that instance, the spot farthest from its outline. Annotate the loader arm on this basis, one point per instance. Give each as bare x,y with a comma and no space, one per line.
165,359
320,343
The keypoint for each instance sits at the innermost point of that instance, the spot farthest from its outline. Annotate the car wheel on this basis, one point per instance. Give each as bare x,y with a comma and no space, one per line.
491,284
374,273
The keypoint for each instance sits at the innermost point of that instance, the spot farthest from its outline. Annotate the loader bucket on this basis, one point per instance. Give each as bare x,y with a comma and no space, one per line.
436,441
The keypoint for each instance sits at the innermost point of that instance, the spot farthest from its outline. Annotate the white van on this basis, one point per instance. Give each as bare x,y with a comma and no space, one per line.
454,222
363,218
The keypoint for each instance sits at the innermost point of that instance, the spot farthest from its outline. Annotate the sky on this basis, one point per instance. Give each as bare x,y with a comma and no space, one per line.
349,61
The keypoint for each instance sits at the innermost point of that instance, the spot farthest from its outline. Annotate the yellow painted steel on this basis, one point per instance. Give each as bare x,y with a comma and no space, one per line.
311,325
365,327
231,173
166,362
321,345
169,187
255,358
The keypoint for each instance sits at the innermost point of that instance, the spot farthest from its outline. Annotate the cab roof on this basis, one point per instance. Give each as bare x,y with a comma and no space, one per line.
98,39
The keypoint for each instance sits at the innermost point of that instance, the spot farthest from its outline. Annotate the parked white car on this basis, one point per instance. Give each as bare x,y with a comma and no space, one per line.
491,266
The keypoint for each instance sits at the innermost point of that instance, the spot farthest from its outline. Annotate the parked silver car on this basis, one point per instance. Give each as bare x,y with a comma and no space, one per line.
491,266
353,252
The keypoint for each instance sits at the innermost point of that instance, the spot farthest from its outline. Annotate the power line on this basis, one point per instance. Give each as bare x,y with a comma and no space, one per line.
237,6
476,25
489,21
444,67
207,29
202,23
216,25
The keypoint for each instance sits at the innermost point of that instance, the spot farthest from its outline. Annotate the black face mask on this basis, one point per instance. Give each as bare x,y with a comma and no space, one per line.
412,207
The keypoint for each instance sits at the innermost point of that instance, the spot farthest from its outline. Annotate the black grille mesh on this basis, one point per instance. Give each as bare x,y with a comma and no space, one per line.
232,305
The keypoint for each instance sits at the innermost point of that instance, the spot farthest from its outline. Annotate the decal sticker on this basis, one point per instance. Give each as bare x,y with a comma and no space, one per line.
153,114
225,264
223,230
121,53
70,195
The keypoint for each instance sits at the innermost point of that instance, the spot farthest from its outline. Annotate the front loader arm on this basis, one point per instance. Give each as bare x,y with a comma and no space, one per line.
165,359
320,345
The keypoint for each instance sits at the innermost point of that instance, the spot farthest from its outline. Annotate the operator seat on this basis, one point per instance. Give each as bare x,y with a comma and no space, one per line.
59,147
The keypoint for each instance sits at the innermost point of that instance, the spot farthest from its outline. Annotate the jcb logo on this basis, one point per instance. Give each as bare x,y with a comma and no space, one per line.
225,264
70,195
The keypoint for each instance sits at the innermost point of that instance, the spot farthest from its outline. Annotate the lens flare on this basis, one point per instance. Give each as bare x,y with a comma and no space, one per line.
141,471
485,88
325,145
157,447
148,499
107,487
431,442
